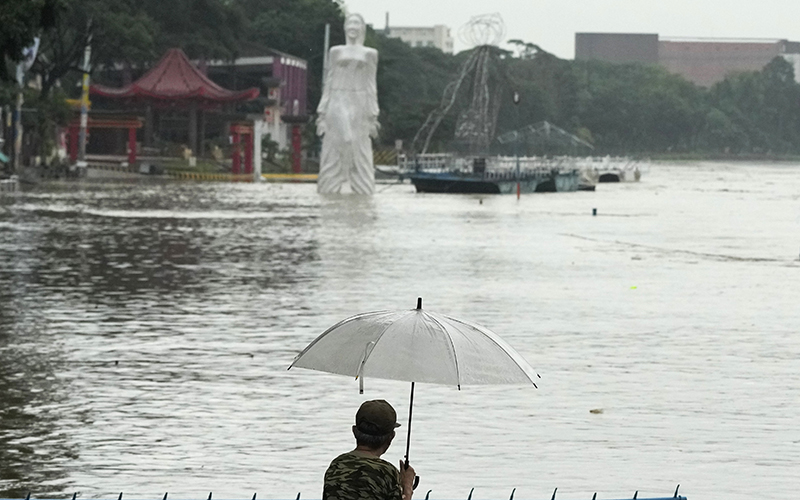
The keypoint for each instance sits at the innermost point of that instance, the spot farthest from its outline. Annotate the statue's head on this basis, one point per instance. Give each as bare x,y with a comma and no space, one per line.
355,29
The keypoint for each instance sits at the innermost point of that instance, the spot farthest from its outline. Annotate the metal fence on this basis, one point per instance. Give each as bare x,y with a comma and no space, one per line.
428,496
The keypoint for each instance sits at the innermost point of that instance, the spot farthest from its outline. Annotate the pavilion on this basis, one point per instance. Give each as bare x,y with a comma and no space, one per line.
176,84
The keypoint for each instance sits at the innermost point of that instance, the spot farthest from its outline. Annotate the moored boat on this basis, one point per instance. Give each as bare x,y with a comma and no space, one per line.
489,175
611,168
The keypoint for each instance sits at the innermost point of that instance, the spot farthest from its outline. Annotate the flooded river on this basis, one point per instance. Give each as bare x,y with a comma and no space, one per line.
145,332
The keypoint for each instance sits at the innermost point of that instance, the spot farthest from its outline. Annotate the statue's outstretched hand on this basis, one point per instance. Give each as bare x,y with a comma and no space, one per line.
321,127
374,128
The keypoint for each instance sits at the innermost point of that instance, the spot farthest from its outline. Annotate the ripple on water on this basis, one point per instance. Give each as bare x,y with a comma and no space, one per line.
145,335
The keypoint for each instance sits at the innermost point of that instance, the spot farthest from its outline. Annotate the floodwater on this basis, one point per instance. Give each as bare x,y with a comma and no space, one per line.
145,332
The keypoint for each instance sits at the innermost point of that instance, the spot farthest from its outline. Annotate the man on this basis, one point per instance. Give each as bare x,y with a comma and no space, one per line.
361,474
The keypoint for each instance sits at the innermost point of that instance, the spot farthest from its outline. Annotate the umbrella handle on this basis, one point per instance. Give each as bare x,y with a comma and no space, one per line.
416,478
410,411
408,439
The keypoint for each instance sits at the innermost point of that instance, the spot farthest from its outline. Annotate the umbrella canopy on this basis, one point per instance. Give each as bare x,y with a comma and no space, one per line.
415,345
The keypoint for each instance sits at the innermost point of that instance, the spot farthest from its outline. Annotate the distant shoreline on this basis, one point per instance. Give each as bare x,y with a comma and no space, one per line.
678,157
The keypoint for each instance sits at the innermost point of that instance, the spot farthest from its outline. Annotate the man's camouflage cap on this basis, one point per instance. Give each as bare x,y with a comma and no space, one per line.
376,418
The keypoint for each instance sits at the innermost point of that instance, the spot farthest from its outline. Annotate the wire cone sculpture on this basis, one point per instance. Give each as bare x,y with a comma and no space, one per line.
477,90
486,29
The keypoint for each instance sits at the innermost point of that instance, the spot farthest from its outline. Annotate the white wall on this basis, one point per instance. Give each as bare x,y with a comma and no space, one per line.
437,36
794,59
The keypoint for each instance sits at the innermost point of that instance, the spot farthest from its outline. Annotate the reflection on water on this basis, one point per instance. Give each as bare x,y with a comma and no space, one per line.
145,333
33,446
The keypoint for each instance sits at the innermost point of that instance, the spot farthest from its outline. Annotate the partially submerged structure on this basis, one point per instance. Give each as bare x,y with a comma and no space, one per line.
190,108
174,84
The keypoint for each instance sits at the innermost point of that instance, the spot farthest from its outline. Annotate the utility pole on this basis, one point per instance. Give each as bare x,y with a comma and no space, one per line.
18,118
18,131
29,57
87,54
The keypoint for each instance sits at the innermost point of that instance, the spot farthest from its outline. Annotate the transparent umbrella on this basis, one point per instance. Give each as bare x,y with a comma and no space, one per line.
415,345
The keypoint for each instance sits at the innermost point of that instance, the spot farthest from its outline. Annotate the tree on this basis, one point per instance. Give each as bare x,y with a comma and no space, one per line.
204,29
411,81
781,101
22,21
524,50
633,108
118,30
296,27
763,108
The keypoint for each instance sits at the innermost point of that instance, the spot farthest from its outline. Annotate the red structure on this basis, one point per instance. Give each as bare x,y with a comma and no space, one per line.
132,124
173,79
296,122
296,148
242,154
176,83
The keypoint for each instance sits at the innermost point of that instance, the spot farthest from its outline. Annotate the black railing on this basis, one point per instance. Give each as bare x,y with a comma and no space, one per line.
635,496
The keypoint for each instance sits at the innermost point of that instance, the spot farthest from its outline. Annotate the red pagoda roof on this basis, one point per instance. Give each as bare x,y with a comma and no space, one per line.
175,78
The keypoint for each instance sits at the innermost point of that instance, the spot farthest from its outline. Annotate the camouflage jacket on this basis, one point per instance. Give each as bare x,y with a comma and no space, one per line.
357,476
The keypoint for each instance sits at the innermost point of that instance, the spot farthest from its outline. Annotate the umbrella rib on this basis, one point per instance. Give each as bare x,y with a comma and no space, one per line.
492,338
453,347
378,339
329,330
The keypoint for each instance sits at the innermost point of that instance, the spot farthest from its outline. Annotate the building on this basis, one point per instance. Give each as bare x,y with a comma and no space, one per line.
706,61
281,78
437,36
619,48
286,77
703,61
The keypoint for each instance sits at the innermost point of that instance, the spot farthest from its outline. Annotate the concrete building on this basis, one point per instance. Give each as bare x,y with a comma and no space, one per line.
284,74
619,48
706,61
437,36
703,61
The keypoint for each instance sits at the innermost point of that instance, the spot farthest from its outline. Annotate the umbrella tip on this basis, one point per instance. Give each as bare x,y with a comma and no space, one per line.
419,302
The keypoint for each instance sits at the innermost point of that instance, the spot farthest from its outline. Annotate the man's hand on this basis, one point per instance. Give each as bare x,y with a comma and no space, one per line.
407,475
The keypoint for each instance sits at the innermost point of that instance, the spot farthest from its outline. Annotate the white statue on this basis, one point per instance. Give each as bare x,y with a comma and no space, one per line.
347,115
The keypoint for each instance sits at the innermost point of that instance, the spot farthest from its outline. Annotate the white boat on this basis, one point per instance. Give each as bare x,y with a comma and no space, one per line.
611,168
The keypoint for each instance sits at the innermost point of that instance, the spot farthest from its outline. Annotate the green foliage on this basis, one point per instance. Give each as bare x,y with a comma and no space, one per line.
621,109
410,85
756,112
546,86
118,30
20,22
635,108
209,29
629,109
296,27
51,110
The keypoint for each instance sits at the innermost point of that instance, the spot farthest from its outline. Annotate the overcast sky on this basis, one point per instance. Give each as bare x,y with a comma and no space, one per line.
552,24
